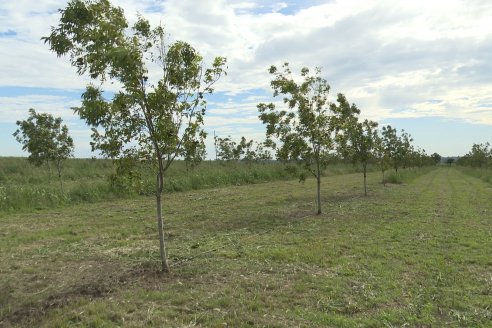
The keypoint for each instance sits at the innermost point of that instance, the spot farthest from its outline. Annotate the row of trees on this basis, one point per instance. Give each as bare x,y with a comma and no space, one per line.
227,149
48,142
480,156
310,128
157,121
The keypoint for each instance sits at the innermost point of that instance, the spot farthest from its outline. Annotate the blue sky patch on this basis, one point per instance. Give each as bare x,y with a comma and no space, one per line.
8,33
293,7
443,135
11,91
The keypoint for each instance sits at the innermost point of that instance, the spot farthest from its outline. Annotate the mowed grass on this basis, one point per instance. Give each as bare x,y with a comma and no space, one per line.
409,255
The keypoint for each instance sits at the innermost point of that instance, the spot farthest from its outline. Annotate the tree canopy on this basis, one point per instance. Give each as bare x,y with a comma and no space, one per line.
307,128
359,143
247,150
46,140
396,146
480,155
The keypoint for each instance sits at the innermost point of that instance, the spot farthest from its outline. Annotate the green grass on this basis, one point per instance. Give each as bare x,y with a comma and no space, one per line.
410,255
24,187
484,173
405,175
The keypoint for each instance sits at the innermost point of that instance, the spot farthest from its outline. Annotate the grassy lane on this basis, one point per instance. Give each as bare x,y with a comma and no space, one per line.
446,268
413,255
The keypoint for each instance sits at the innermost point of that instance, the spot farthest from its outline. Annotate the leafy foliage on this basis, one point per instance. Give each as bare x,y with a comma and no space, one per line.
398,147
381,155
419,158
307,128
229,150
46,140
359,143
195,154
436,158
480,155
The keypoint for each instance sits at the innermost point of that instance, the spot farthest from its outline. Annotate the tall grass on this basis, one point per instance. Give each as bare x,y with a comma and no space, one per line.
406,175
484,173
25,187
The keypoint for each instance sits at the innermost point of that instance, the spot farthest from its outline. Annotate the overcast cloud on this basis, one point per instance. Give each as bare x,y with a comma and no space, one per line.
394,59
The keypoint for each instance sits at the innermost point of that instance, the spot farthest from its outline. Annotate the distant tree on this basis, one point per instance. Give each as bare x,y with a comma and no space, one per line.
479,155
155,122
195,153
397,147
381,155
262,151
229,150
418,157
360,144
450,161
246,149
436,157
215,147
422,157
306,130
46,140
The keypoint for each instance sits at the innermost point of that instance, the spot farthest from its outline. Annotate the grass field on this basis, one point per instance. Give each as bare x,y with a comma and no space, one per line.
484,174
24,187
408,255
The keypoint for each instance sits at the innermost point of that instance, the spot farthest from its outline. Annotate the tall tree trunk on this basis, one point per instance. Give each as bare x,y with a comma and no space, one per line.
318,182
365,179
160,227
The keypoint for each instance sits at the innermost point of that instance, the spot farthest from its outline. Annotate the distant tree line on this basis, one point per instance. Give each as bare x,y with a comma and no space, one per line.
479,156
247,150
311,129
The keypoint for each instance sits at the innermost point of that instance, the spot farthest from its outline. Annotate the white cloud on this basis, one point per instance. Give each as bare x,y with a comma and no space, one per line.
15,108
392,58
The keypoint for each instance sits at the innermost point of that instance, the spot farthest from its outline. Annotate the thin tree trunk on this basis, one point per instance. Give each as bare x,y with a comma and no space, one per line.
365,179
215,146
160,227
58,168
61,183
49,168
318,181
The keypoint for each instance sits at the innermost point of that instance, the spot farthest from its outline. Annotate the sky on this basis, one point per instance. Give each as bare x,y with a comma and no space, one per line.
421,66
